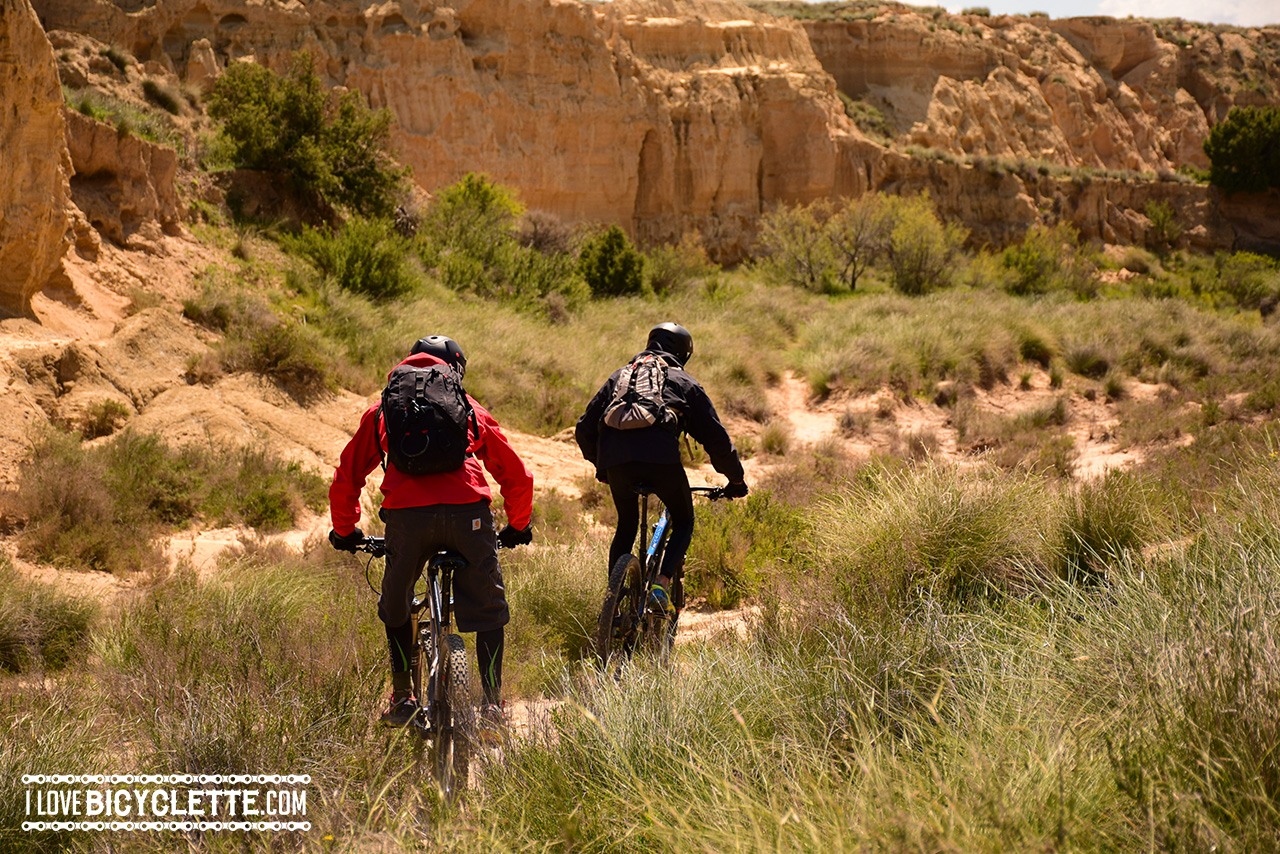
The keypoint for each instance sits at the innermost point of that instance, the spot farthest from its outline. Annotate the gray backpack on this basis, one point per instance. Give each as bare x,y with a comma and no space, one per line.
637,398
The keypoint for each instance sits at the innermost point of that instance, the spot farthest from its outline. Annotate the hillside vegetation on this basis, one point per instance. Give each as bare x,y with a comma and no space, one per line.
956,642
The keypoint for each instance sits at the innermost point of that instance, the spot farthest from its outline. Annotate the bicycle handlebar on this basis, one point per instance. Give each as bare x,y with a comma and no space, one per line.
377,546
713,493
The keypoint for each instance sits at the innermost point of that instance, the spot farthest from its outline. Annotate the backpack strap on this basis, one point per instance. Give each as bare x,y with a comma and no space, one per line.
377,436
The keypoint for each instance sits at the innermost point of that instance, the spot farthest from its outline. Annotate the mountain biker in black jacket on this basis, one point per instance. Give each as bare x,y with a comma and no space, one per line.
651,455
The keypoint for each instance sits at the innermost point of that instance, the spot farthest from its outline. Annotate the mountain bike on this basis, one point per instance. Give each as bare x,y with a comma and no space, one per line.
444,718
627,622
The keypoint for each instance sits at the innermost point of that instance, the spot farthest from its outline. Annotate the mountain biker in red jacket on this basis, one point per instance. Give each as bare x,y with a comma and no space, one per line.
651,455
426,513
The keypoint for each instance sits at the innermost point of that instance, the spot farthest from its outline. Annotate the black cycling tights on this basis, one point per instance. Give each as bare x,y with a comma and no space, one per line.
667,481
489,657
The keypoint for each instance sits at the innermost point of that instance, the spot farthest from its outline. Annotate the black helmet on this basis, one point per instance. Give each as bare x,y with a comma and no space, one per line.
443,347
673,339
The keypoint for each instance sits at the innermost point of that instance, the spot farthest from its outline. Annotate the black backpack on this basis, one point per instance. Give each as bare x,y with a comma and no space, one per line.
428,420
637,398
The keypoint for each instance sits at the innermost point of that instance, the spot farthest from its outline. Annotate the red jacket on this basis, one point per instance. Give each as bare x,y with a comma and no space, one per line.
466,485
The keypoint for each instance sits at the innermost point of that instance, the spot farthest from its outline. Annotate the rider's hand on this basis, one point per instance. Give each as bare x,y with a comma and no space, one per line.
601,476
347,543
735,490
510,537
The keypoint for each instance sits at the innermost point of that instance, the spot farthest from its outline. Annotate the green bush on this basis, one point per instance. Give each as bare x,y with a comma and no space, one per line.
366,256
103,418
1045,259
470,236
736,546
1244,150
921,248
339,150
672,269
1165,229
256,339
611,265
796,250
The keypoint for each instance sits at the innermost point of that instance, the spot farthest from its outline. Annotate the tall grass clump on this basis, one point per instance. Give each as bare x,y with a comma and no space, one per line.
256,338
932,532
41,627
99,507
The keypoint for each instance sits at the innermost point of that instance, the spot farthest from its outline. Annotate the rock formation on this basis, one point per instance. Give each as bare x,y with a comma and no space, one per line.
35,166
1077,92
668,117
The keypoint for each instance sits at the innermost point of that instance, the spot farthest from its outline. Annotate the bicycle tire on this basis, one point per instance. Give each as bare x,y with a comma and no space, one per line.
452,754
614,626
655,632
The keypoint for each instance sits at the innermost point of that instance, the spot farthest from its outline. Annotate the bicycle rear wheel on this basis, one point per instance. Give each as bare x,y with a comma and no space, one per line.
615,629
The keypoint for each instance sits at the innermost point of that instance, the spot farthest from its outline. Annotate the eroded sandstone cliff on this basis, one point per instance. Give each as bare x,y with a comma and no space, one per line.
668,116
35,165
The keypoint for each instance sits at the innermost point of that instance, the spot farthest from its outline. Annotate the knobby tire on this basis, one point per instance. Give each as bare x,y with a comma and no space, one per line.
617,614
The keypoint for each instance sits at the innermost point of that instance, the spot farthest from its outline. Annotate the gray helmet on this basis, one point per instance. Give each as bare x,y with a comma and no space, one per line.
442,347
673,339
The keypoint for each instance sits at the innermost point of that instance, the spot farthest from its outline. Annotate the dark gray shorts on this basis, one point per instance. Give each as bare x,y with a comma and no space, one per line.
414,534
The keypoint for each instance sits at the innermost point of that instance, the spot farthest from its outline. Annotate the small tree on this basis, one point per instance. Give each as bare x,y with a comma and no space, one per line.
1165,228
341,151
921,247
1244,150
859,234
797,248
1046,257
611,265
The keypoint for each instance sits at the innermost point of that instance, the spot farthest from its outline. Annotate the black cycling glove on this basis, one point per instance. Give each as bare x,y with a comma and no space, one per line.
347,543
511,537
735,490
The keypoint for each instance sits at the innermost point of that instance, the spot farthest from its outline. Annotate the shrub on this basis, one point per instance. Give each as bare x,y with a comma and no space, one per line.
610,265
1165,228
1044,259
1244,150
796,249
859,234
103,417
673,268
470,237
98,507
1246,277
365,256
921,248
869,119
339,150
256,339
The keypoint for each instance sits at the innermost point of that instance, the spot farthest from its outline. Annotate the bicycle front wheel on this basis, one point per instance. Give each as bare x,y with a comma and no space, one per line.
615,630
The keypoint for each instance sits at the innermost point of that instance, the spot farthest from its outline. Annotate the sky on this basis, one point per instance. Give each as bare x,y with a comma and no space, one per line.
1240,12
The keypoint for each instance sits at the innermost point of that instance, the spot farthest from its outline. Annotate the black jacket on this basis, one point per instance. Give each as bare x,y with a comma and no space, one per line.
606,447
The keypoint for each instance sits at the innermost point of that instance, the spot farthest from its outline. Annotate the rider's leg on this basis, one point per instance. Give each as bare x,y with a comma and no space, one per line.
671,485
480,598
405,559
489,659
622,483
403,655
